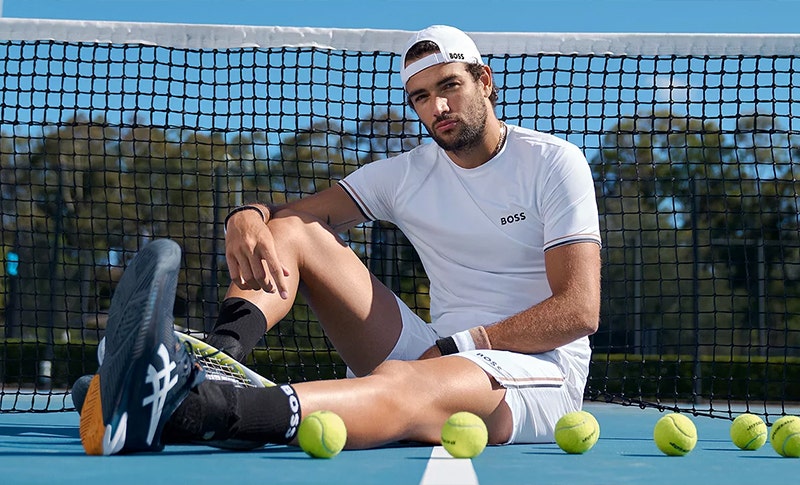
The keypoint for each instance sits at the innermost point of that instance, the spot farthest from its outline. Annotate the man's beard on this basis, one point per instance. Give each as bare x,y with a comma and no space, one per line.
471,134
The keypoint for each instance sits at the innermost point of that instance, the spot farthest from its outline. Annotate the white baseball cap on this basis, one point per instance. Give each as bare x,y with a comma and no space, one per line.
455,46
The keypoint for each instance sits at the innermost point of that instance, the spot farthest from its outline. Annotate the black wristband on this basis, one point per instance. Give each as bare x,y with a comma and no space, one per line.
447,346
240,209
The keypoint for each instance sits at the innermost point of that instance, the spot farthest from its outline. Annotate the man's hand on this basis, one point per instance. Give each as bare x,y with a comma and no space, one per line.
253,263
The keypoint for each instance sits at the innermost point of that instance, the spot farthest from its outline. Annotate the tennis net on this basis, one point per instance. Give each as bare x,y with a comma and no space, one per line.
116,133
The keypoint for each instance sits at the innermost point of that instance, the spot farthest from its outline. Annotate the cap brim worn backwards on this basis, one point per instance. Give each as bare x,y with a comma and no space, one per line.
454,46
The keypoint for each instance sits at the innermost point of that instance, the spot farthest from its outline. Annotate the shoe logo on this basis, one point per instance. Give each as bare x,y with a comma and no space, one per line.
162,383
114,438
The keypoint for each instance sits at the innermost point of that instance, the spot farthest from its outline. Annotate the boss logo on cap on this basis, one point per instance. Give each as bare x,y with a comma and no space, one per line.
457,56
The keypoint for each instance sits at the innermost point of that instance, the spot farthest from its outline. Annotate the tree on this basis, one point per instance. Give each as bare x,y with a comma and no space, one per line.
85,196
697,202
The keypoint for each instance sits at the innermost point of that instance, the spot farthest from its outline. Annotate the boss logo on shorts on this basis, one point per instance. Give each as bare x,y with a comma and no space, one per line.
512,218
294,406
490,361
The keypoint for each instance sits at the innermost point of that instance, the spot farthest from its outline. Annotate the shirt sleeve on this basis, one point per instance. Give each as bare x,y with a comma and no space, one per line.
568,201
374,187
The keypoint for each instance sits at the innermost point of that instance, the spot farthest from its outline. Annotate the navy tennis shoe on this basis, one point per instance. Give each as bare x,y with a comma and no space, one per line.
79,390
146,372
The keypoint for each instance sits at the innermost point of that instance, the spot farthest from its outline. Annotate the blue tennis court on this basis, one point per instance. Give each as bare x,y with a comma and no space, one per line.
45,448
114,134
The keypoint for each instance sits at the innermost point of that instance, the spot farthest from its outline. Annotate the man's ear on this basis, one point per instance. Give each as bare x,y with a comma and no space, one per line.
487,80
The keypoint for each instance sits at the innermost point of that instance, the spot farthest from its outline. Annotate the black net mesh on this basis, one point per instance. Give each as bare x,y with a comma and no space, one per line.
104,147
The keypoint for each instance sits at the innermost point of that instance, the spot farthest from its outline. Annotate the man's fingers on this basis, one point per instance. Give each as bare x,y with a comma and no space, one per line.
279,274
248,280
242,275
235,274
258,268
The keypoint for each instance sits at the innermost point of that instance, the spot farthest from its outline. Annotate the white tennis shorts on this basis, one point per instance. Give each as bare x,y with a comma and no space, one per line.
540,388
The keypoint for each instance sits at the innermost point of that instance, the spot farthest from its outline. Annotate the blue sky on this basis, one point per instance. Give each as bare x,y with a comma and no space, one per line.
675,16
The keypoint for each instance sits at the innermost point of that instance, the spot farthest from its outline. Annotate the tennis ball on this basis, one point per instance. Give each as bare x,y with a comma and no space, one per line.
785,436
577,432
464,435
675,434
322,434
748,432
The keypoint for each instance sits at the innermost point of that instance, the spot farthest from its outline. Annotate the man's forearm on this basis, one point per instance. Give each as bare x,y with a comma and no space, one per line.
544,327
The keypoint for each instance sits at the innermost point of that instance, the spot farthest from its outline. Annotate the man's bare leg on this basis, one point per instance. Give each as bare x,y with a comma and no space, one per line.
397,400
358,313
410,400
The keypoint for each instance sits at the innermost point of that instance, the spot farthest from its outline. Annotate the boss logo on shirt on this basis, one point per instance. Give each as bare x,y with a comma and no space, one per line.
519,216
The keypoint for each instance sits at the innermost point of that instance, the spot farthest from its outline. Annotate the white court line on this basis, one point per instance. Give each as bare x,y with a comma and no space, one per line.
443,469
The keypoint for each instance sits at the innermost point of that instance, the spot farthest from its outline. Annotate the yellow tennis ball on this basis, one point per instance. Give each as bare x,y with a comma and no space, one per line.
464,435
577,432
748,432
322,434
675,434
785,436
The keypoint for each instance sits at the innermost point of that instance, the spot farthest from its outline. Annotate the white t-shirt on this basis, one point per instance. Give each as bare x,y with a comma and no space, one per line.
481,233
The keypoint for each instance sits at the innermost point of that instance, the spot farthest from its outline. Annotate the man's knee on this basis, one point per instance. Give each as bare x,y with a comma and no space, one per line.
396,380
286,220
397,373
291,226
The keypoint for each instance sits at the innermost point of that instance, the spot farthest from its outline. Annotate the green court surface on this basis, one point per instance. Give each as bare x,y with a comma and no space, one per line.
45,448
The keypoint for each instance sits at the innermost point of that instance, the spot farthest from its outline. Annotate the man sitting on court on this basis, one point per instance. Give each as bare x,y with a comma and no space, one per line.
505,221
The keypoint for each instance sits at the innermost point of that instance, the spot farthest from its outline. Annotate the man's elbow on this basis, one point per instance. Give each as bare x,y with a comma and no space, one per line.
591,326
589,318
